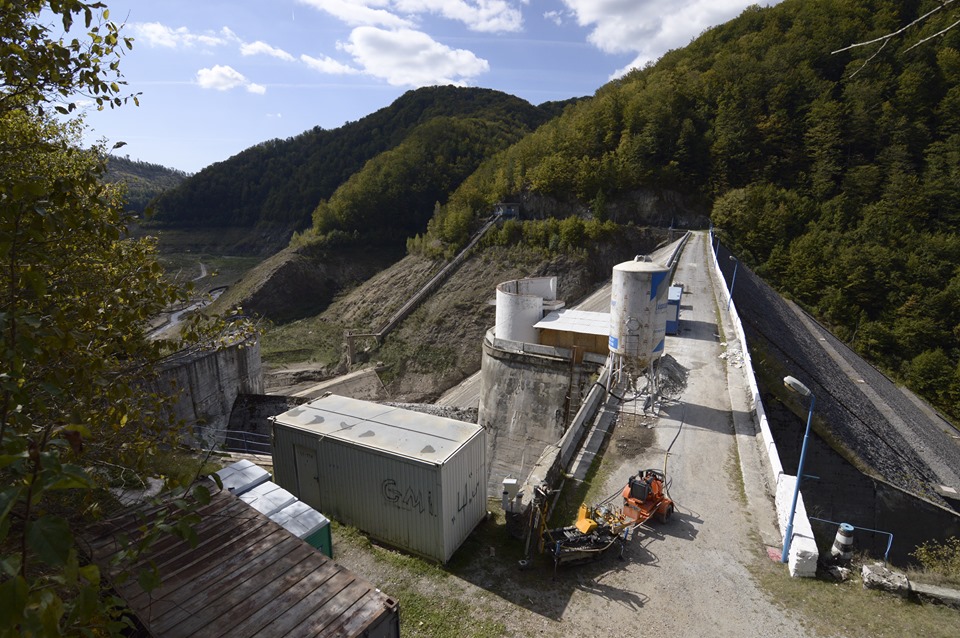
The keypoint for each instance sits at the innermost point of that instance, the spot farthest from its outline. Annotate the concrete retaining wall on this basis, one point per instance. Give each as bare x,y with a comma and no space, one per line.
524,394
207,382
803,549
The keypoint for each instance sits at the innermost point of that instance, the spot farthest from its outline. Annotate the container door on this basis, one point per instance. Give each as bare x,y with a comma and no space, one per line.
308,480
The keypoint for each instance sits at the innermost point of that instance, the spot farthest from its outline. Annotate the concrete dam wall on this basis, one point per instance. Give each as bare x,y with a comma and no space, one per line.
528,395
206,382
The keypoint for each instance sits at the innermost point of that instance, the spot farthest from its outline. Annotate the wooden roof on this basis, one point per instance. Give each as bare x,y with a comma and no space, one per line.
246,576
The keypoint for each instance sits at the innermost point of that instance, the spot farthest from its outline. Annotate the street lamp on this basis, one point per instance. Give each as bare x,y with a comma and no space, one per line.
733,281
799,388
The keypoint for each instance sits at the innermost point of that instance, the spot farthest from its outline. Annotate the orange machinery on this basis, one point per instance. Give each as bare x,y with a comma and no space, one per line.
601,527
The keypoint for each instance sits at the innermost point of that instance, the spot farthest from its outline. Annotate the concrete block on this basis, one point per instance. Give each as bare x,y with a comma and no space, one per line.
935,594
876,576
804,554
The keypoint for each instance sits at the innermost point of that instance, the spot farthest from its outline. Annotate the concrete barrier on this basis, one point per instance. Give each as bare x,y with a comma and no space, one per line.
803,549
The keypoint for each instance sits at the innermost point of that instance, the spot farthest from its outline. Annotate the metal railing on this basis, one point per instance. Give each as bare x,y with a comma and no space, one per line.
886,554
234,440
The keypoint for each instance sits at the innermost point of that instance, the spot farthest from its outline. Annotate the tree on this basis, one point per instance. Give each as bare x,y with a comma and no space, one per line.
37,68
75,296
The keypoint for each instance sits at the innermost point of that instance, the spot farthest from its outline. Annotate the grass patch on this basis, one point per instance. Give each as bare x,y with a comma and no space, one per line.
442,617
846,609
489,539
431,603
736,475
308,340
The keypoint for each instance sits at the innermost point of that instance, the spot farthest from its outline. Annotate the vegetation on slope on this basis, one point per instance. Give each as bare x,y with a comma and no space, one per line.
143,181
833,175
281,181
394,195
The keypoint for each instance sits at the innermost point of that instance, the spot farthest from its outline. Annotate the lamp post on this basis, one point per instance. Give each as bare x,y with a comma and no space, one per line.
796,386
733,280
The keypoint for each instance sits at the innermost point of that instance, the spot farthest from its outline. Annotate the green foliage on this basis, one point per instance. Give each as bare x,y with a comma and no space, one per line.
38,68
942,559
142,181
554,236
282,182
75,297
394,195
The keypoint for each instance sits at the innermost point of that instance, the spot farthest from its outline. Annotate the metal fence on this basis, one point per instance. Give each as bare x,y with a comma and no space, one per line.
233,440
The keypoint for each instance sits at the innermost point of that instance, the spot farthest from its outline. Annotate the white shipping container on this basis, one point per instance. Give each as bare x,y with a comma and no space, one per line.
412,480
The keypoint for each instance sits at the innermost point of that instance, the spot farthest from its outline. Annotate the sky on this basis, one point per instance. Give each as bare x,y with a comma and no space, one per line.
215,77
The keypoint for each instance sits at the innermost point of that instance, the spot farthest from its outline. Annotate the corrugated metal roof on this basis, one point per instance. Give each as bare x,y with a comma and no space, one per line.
245,576
415,435
579,321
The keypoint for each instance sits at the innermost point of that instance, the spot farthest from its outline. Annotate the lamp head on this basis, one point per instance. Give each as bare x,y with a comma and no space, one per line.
796,386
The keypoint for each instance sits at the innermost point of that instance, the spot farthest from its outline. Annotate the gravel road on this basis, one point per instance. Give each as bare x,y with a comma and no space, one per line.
690,576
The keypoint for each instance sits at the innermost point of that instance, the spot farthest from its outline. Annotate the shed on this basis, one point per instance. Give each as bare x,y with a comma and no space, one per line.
412,480
245,576
674,295
580,329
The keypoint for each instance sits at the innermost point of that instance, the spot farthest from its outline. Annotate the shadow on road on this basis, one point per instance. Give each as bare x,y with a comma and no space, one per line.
701,330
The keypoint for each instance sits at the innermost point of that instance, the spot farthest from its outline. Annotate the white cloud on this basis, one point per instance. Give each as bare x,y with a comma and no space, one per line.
160,35
478,15
650,27
555,17
224,78
360,12
411,58
262,48
326,64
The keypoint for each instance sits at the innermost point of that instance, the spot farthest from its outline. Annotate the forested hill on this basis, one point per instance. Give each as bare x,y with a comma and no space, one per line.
282,181
144,181
836,176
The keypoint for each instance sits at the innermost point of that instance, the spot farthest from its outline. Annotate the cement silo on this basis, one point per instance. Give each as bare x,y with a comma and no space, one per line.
638,312
520,304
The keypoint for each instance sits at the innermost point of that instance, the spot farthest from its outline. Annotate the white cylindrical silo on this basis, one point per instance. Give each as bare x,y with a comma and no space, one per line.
520,306
638,311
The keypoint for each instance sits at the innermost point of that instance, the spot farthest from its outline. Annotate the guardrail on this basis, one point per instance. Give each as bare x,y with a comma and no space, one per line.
234,440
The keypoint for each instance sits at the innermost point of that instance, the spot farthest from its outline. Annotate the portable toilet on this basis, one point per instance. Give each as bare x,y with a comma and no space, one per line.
673,309
242,476
307,524
267,498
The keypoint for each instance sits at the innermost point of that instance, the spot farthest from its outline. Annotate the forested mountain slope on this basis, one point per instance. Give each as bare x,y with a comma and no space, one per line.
836,176
281,182
144,181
